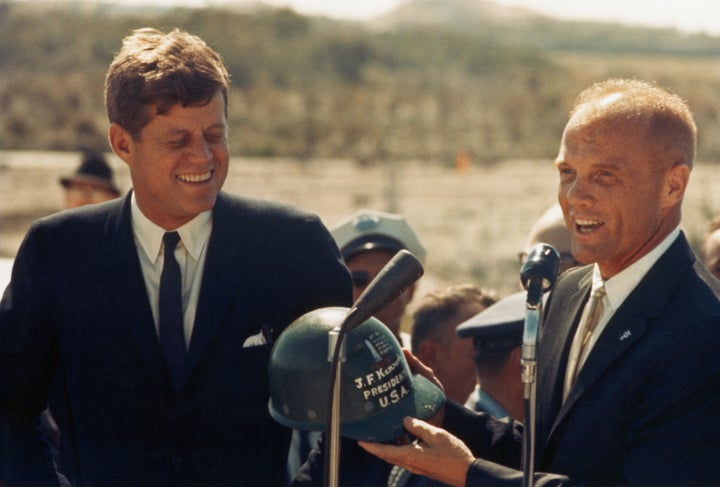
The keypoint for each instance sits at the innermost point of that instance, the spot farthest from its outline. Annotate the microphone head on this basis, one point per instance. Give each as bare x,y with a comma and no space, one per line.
397,275
540,267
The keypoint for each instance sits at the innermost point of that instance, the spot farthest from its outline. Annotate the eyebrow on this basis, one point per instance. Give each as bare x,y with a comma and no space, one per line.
178,131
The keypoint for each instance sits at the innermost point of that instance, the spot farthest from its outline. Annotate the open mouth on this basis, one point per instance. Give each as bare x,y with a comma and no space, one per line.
195,178
588,226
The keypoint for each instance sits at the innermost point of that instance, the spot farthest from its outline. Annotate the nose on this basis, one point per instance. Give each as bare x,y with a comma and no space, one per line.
577,191
199,150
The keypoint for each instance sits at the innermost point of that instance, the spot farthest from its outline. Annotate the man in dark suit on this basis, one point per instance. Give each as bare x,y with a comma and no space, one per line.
630,394
150,387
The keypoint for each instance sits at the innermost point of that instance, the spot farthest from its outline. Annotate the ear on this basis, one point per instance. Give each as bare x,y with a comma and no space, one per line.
516,356
427,353
409,293
513,365
120,141
676,181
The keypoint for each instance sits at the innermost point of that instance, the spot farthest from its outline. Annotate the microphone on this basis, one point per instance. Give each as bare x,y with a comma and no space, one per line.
539,271
397,275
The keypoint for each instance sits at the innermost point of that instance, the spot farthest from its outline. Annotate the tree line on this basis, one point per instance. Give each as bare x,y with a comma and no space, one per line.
309,87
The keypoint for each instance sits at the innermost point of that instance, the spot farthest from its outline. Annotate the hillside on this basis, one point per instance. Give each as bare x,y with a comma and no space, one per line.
430,80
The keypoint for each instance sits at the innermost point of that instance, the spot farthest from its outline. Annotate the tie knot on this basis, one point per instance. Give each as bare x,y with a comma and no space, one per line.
170,240
599,291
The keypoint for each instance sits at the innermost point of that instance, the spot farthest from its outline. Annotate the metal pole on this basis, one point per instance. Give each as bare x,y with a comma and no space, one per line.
529,377
332,447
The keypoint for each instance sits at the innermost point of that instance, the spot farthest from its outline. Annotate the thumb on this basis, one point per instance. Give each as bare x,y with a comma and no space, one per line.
420,429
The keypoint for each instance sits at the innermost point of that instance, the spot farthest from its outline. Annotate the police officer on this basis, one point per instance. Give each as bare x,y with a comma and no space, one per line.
368,240
497,339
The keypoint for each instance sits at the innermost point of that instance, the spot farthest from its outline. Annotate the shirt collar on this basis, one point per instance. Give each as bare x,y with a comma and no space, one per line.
485,402
619,287
194,234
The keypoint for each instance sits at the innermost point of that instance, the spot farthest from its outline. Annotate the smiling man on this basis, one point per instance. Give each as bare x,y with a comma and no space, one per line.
146,323
628,388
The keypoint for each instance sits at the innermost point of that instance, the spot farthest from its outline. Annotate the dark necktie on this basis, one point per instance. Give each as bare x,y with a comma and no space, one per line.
172,337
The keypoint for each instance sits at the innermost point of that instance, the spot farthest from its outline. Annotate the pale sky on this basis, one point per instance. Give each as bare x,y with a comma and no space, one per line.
687,15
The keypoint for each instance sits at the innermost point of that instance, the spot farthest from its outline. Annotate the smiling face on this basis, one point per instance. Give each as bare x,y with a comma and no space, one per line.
178,163
620,196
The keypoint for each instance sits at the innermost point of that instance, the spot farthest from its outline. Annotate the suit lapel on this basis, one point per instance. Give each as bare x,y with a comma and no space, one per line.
555,340
221,276
619,334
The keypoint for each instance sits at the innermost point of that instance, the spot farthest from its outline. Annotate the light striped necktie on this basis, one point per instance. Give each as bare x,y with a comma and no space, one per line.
588,322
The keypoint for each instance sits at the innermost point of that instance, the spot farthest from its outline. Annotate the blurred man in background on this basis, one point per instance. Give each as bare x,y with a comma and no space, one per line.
435,342
550,228
92,182
496,333
710,249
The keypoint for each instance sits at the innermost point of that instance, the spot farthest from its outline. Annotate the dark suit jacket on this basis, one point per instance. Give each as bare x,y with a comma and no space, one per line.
645,409
77,310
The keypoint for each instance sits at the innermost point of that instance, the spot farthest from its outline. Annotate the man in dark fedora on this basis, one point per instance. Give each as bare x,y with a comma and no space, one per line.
92,182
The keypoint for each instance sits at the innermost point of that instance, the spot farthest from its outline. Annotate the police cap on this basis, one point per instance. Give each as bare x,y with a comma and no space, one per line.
499,327
369,229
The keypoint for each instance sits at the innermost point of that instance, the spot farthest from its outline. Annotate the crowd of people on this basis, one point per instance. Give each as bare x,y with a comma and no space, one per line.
136,329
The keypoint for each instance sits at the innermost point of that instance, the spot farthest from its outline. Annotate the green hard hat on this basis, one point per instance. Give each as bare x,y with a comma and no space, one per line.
377,389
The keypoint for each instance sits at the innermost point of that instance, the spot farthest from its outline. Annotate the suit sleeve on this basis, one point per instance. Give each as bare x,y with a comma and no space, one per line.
314,275
499,440
27,361
497,444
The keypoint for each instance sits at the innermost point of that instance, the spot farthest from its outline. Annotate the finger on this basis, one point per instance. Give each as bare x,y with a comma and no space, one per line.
417,367
415,364
420,429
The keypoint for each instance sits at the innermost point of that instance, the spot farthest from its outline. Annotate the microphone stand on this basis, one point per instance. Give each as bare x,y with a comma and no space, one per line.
336,356
537,275
533,317
397,275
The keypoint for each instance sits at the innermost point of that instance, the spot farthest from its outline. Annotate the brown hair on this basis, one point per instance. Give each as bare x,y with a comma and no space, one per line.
438,308
156,69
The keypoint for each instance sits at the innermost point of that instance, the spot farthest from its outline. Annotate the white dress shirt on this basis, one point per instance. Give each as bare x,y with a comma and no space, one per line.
190,254
619,287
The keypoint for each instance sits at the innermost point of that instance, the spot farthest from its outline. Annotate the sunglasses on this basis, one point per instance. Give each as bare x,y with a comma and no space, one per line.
360,279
